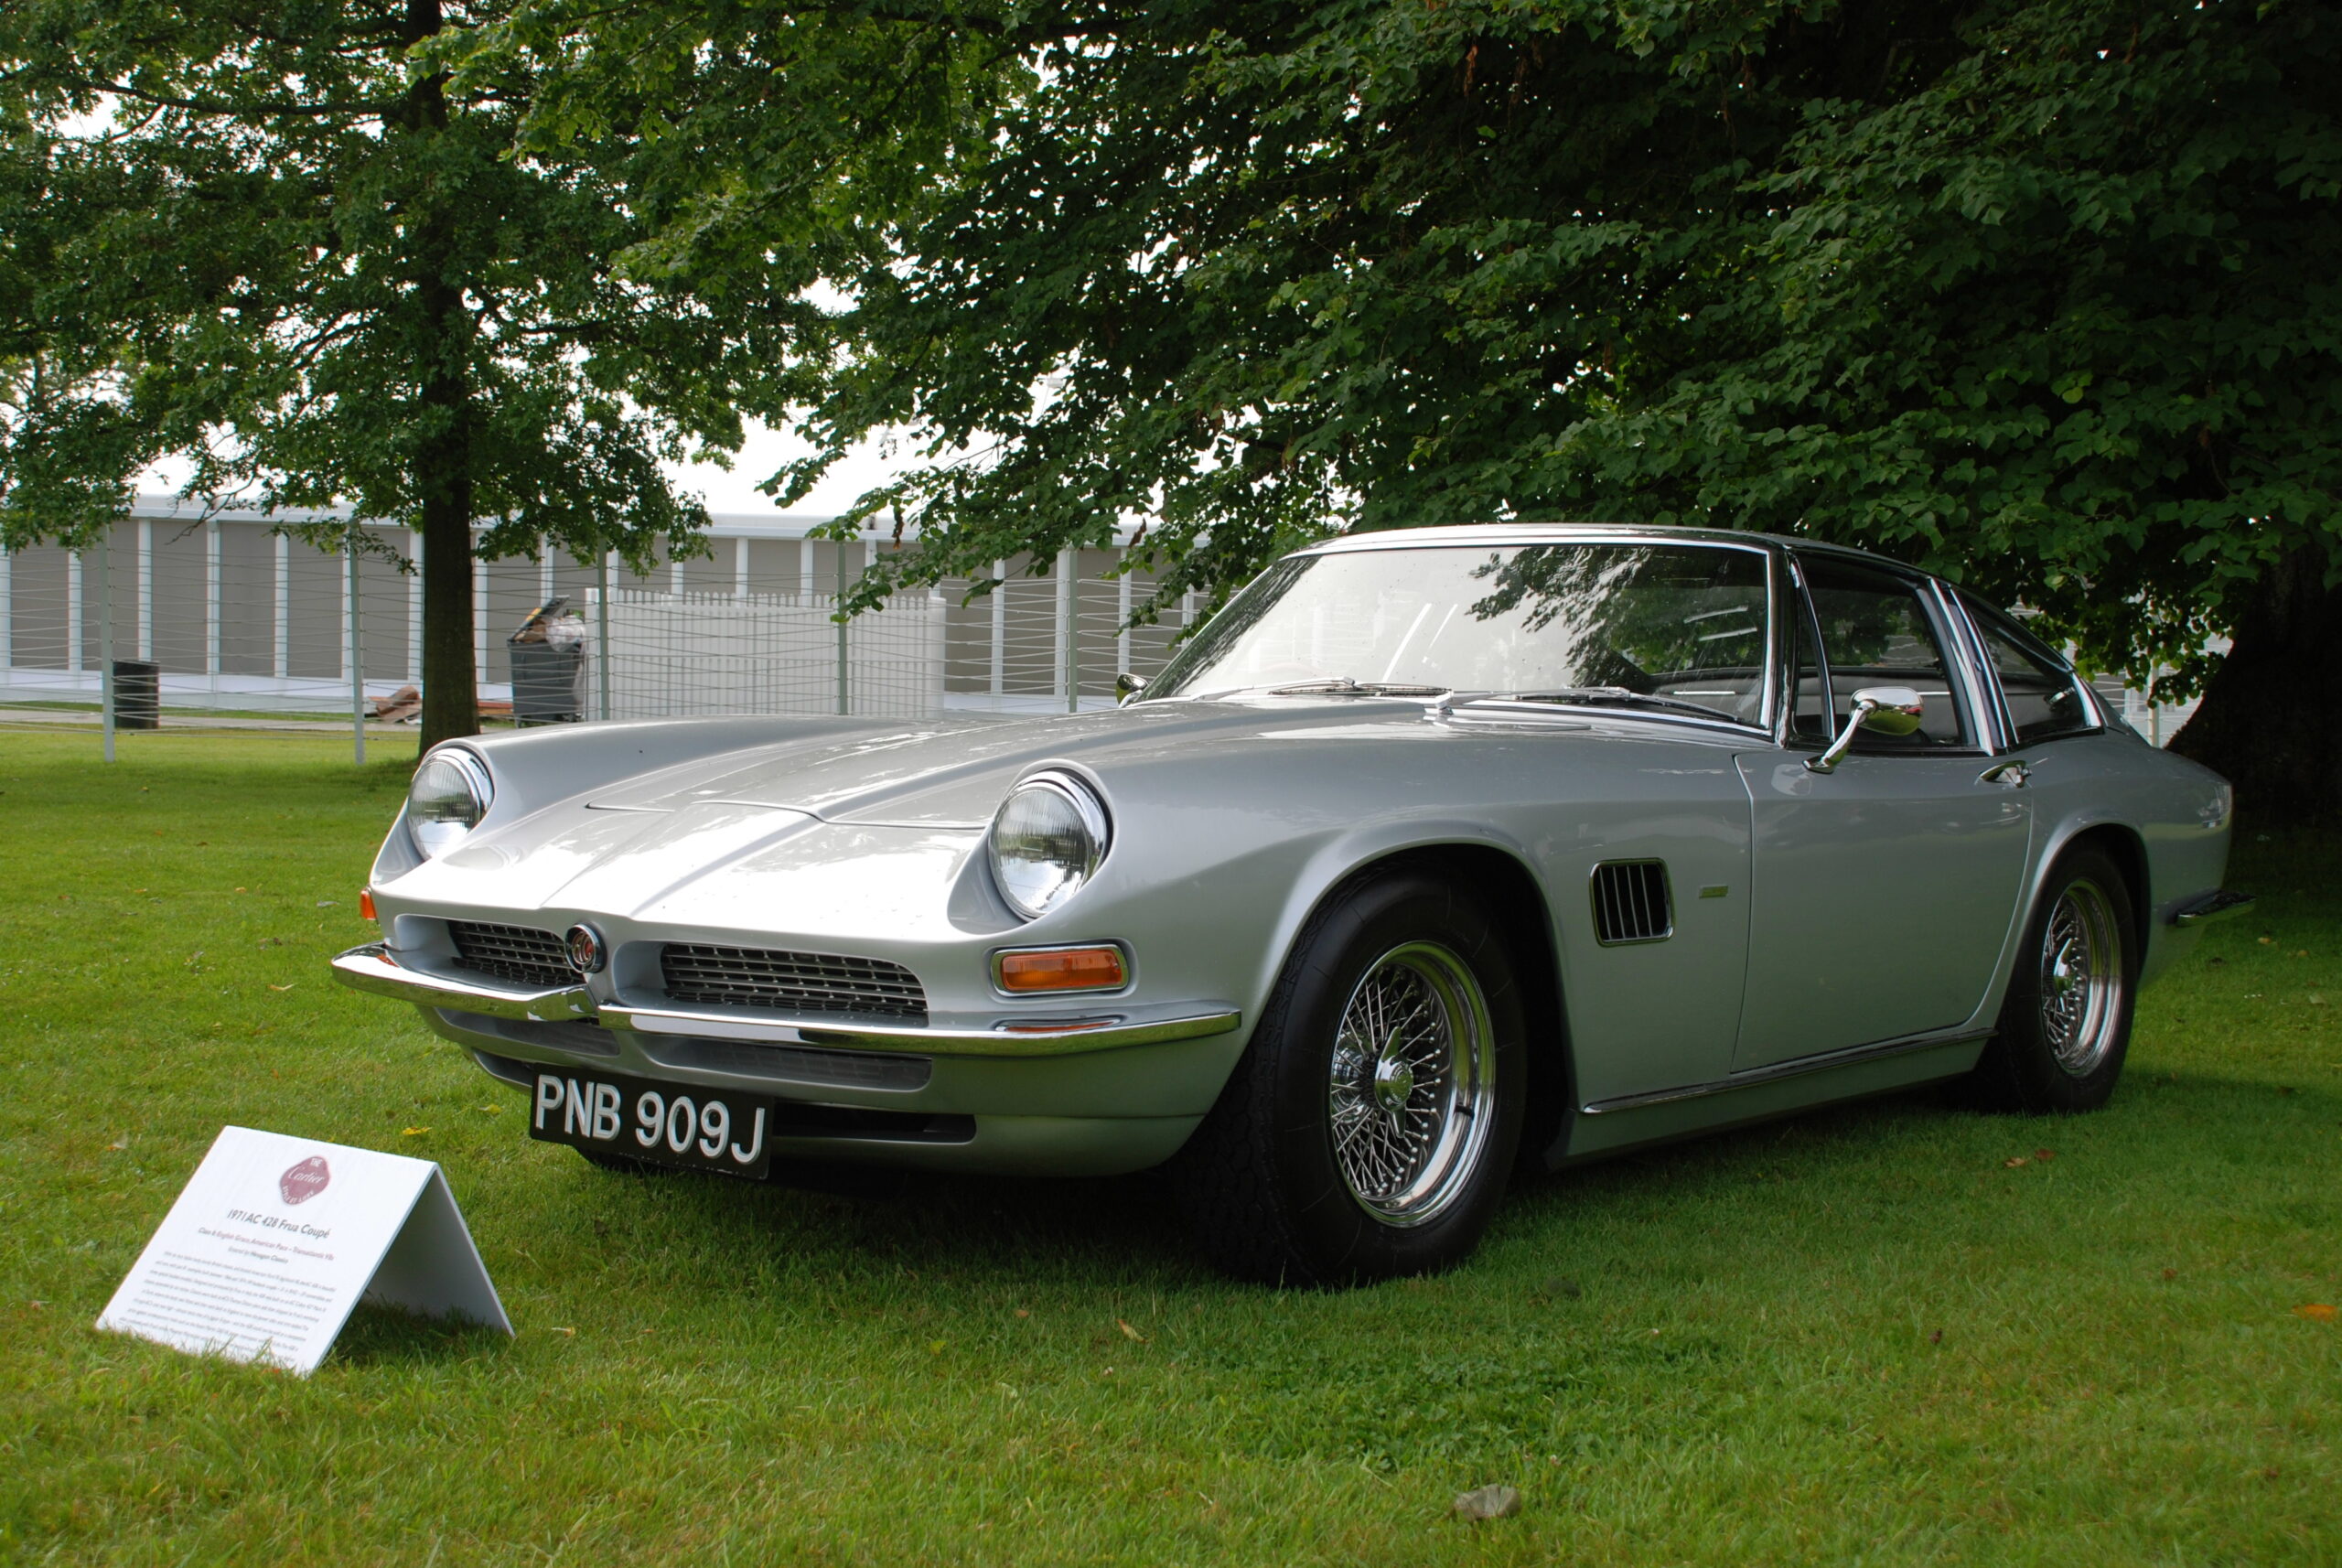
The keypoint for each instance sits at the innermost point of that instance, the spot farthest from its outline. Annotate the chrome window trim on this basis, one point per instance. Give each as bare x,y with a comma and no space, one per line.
1985,699
1928,590
2096,709
1785,732
1443,710
1487,536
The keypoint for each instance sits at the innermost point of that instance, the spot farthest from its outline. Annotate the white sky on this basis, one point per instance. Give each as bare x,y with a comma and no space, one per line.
767,449
764,451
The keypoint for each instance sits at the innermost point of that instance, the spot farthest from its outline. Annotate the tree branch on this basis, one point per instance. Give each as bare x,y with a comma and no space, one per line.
269,108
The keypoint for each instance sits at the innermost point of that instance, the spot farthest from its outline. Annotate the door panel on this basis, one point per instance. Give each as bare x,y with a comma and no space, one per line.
1883,895
1651,1014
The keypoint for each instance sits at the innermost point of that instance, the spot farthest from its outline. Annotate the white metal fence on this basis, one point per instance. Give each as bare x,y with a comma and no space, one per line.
231,625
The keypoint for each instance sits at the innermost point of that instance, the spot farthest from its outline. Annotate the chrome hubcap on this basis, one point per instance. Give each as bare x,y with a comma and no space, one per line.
1412,1076
2081,979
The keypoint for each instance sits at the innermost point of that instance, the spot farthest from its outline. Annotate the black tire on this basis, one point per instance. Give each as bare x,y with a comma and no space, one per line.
1263,1182
2063,1034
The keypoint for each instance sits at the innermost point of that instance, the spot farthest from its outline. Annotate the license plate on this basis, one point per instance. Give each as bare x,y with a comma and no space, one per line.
667,1123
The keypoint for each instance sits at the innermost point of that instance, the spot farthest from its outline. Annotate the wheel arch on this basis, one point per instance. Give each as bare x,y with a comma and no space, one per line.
2122,844
1517,902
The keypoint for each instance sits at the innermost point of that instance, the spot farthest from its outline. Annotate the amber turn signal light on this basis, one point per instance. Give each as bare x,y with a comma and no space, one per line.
1059,969
366,903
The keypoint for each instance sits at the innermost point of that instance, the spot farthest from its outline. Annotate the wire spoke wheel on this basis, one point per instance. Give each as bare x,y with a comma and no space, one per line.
2081,979
1409,1092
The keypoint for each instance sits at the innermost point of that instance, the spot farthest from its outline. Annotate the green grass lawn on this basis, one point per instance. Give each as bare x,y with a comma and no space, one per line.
1865,1335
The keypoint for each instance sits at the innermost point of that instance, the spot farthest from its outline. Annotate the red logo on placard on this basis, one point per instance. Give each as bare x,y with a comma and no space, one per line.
305,1180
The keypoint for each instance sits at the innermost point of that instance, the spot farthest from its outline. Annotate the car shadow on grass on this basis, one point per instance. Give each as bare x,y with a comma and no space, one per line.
949,1233
859,1219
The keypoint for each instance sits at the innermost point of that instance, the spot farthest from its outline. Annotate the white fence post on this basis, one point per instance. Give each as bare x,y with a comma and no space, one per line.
280,662
414,608
838,609
1068,655
7,608
1122,616
73,631
1000,628
480,619
146,588
105,637
211,601
602,631
357,655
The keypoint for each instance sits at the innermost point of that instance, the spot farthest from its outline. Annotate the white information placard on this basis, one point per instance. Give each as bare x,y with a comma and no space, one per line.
274,1240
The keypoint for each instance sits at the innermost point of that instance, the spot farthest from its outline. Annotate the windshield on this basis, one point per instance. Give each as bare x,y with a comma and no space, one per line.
1675,626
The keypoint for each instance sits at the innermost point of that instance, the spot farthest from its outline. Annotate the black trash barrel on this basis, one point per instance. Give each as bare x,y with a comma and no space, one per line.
137,694
547,683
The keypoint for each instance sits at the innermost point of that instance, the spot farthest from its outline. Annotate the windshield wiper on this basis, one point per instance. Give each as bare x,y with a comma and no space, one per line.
1621,696
1343,686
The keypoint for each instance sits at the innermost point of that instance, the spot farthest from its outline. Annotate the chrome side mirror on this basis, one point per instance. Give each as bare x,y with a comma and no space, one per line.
1127,685
1888,710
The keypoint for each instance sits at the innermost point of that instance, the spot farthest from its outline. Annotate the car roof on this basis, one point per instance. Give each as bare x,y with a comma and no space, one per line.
1505,534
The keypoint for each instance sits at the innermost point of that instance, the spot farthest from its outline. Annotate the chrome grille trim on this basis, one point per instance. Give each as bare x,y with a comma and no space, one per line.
1632,903
520,954
793,983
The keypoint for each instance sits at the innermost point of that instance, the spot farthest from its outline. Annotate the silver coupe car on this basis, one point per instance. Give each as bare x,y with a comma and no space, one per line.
1435,854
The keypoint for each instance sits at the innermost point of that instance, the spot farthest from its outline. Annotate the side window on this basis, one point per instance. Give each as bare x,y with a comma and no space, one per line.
1876,631
2045,698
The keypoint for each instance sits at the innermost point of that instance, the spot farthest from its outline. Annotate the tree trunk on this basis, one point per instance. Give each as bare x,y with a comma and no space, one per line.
443,460
450,675
2267,720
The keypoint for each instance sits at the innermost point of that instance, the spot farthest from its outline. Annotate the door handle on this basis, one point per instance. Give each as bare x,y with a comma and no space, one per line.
2014,773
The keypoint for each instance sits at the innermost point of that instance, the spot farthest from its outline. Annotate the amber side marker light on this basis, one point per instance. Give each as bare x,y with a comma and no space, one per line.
366,903
1058,969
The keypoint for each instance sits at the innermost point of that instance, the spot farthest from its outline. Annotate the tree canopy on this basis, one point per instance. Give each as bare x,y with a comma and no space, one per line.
397,255
2037,293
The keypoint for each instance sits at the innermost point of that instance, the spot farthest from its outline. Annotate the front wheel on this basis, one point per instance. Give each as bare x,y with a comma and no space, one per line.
1370,1126
2065,1028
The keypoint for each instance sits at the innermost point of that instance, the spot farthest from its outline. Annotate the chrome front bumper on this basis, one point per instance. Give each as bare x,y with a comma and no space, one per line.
373,970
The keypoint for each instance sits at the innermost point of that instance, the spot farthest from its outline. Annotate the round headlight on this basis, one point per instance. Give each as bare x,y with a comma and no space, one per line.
449,796
1048,838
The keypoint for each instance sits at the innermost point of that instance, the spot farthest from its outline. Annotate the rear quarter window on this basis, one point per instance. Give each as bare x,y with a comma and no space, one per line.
2044,696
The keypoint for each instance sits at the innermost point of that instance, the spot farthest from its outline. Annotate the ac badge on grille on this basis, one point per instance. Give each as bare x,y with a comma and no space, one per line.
305,1180
587,954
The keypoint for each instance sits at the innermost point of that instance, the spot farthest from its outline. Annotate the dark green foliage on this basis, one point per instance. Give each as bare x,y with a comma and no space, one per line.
307,245
2037,293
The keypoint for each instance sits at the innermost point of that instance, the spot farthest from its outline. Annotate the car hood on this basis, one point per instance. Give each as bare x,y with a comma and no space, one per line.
954,772
810,821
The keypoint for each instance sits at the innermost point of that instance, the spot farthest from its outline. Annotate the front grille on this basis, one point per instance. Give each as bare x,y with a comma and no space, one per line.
511,952
791,981
1630,903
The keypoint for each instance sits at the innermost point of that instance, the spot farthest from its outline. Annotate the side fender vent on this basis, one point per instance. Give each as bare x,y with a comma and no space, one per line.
1632,903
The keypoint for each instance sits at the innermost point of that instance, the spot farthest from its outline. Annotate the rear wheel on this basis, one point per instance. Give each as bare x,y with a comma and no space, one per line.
1367,1129
2065,1028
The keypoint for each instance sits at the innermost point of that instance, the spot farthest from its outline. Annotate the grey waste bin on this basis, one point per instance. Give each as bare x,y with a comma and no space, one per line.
548,683
137,694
